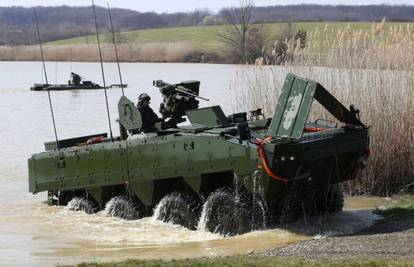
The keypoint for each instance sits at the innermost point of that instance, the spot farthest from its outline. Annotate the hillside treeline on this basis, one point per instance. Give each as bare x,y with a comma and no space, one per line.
366,13
17,23
55,23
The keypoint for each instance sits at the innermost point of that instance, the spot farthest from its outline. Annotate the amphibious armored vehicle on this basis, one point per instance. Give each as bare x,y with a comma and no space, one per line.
75,83
230,174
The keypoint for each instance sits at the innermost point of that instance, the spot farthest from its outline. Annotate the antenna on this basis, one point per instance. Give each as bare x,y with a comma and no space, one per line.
116,50
47,82
102,70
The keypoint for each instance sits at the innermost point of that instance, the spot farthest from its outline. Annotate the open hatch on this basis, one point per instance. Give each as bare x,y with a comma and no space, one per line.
295,102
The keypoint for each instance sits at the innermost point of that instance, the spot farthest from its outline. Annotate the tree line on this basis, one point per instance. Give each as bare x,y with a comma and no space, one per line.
16,23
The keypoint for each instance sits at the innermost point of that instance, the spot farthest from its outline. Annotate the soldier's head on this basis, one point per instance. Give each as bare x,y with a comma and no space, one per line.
144,100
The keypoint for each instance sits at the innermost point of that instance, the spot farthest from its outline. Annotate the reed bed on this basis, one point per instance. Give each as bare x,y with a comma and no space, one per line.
154,52
374,72
384,46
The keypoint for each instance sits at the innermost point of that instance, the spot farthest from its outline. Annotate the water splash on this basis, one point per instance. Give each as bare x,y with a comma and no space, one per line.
81,204
73,204
122,207
346,222
157,210
178,208
253,202
261,212
258,191
205,213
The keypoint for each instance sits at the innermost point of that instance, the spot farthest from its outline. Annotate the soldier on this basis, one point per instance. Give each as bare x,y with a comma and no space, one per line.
149,118
76,79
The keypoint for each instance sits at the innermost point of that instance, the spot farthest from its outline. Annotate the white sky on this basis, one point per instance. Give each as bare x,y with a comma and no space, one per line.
160,6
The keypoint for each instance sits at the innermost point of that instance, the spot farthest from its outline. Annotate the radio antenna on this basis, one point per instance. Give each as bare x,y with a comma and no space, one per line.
116,50
102,70
45,73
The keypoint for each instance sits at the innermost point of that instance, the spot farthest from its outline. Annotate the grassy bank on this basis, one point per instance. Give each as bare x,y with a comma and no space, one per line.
245,261
184,44
156,52
401,207
205,36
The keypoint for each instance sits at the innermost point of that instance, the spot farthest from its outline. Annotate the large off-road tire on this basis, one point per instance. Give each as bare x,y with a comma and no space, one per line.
83,204
179,208
286,210
329,199
229,214
303,204
124,207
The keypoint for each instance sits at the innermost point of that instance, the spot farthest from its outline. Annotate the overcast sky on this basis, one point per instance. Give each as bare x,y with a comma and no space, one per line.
160,6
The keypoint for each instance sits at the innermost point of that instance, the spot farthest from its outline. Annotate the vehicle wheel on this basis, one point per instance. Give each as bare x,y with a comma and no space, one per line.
330,199
124,207
286,210
83,204
179,208
228,213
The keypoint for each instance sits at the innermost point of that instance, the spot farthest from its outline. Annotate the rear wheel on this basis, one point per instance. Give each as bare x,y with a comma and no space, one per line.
228,213
286,209
179,208
312,203
330,199
124,207
83,204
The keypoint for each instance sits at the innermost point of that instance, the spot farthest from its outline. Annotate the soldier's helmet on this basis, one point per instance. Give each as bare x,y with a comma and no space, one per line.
143,97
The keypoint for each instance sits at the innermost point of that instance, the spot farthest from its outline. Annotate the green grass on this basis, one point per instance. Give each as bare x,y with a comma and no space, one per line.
205,38
401,207
245,261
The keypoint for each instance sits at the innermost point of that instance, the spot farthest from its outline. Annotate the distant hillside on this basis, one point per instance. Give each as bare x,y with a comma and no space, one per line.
16,23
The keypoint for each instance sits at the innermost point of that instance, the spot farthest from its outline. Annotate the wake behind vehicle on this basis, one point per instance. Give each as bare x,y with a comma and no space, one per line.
230,174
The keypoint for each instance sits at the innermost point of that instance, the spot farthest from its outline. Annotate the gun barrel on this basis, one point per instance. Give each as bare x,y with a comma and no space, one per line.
191,94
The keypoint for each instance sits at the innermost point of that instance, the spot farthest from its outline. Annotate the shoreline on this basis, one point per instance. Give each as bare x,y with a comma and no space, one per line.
387,242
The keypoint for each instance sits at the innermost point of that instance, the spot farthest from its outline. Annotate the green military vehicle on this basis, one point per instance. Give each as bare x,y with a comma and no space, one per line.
230,174
75,83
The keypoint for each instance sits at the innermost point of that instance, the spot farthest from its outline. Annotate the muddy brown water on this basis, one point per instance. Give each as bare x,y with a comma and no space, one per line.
32,233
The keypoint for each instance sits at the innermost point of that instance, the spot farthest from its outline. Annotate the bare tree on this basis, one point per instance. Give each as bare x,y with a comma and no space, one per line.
234,33
119,37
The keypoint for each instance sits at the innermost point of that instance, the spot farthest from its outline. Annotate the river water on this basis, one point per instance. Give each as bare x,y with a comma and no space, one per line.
35,234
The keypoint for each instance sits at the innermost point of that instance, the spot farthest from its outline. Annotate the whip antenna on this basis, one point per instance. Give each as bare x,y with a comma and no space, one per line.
116,50
102,70
45,73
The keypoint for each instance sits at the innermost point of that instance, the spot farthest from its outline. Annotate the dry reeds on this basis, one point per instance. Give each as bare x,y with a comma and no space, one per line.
154,52
383,47
371,70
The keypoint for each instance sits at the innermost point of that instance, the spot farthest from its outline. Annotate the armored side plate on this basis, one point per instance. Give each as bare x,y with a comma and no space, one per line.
209,116
129,115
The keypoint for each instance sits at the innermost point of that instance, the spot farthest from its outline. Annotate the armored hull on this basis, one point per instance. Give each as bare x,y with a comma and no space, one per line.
76,83
62,87
236,167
